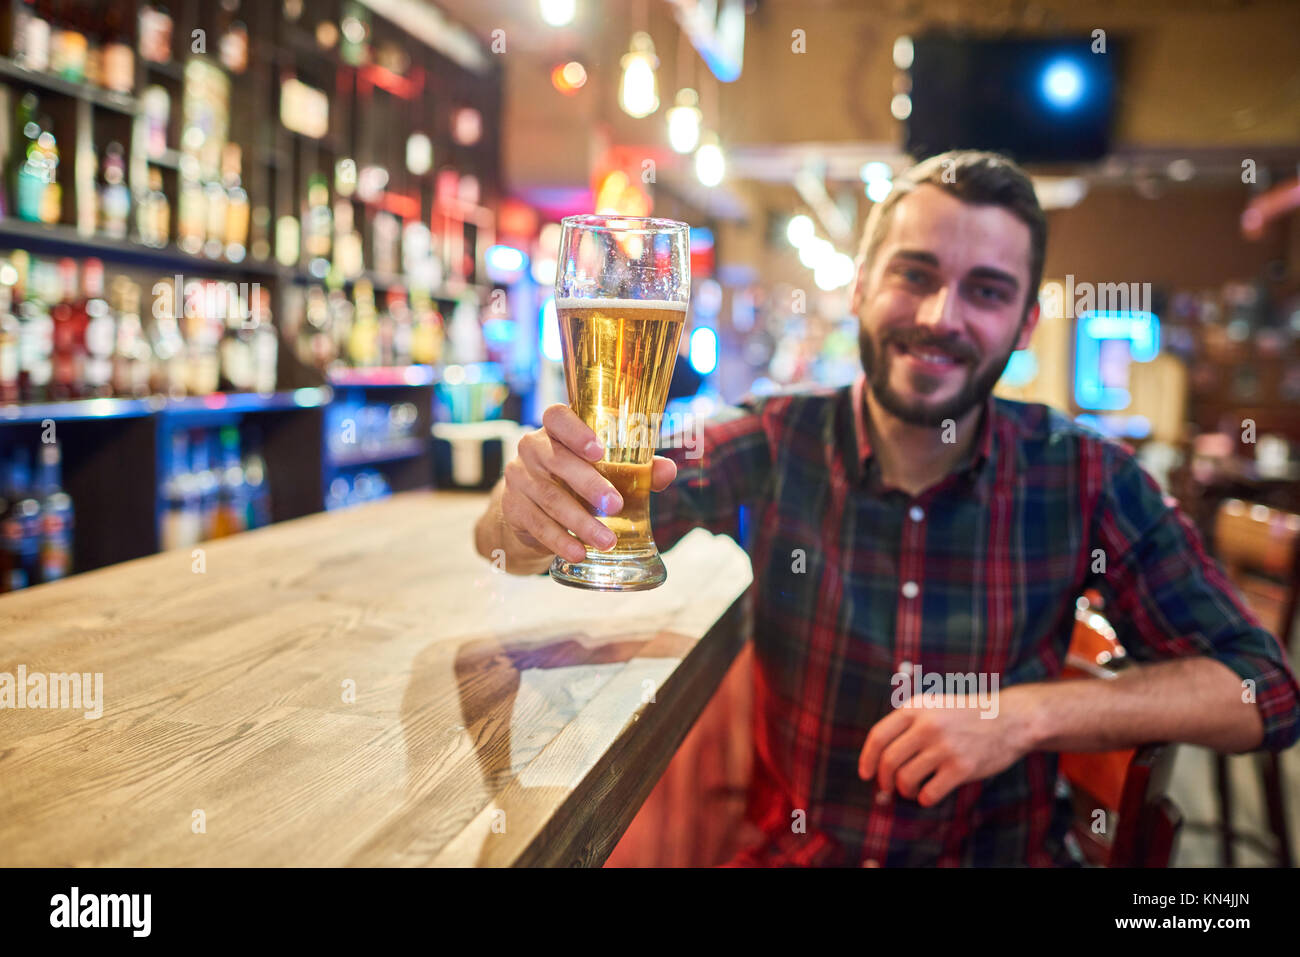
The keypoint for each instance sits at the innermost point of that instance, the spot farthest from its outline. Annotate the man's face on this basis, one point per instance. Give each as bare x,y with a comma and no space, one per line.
939,307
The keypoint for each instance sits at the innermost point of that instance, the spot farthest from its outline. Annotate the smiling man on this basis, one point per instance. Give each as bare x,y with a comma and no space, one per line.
912,525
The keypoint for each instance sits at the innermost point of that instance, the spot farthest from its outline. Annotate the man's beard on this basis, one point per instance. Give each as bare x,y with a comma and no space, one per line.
979,384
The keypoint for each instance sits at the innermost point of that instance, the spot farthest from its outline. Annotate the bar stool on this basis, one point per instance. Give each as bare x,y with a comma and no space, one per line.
1259,548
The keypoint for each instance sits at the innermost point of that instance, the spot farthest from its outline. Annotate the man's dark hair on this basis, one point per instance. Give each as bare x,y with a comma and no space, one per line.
976,177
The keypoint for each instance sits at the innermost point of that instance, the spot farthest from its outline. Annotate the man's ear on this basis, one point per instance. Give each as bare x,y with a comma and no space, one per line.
1027,327
859,287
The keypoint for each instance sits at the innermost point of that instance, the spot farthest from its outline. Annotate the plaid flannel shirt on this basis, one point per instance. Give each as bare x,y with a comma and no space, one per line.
854,582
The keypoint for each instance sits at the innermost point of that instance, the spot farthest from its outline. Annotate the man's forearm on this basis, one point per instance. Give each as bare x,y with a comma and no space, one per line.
494,539
1190,700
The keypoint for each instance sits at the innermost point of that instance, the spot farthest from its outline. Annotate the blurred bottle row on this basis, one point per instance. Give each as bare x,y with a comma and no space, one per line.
63,336
352,426
210,488
36,520
331,330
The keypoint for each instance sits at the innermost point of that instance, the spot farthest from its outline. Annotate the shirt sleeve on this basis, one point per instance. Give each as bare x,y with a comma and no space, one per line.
1171,599
723,465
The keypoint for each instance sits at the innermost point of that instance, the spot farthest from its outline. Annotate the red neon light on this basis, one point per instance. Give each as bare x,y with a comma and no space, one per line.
406,87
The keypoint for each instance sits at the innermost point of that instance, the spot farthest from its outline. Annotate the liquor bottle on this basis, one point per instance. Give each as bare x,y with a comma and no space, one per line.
237,211
203,323
131,352
232,507
156,106
215,201
87,193
316,225
47,170
115,196
69,336
28,36
169,366
399,317
180,525
117,59
69,46
56,518
355,24
339,323
94,48
363,341
237,347
385,332
233,46
206,483
266,346
29,174
10,385
386,233
155,33
100,334
36,331
315,342
191,222
426,329
158,213
255,479
20,529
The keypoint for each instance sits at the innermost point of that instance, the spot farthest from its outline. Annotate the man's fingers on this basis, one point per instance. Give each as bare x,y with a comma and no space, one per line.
884,731
549,457
949,776
525,515
897,753
563,425
558,504
662,473
908,778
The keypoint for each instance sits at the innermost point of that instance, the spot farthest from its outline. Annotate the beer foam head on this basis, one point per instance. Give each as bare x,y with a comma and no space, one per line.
612,305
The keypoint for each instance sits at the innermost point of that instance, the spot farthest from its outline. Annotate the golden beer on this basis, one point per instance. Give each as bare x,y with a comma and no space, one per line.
618,362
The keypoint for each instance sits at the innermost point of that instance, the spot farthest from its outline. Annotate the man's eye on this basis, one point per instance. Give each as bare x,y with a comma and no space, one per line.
991,293
913,275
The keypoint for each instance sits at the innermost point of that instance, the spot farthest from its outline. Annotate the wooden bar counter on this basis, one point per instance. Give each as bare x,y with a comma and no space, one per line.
354,688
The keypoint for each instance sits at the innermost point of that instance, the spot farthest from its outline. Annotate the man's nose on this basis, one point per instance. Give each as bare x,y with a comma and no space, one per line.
939,310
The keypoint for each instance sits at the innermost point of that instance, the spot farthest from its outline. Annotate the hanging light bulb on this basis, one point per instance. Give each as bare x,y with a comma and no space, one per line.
557,13
710,162
637,94
684,122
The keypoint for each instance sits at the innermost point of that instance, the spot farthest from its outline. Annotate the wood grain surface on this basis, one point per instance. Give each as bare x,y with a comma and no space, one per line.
497,720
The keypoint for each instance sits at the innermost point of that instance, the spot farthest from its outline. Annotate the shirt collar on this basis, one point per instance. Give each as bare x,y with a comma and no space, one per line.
975,465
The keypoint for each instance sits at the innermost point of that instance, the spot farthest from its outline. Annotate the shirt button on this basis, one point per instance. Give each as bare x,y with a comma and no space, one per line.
910,589
916,513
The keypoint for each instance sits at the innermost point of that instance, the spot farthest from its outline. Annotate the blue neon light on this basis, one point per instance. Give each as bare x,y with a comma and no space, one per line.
550,331
1141,330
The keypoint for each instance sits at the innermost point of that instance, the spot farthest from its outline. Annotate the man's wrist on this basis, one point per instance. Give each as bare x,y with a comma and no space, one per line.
1034,716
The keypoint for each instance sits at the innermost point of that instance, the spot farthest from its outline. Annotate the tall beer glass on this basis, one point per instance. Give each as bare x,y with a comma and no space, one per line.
621,291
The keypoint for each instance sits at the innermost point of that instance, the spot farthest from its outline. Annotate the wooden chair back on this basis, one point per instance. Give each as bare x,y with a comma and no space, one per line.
1138,823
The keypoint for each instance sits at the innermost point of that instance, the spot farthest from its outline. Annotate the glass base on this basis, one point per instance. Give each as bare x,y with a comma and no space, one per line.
602,571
